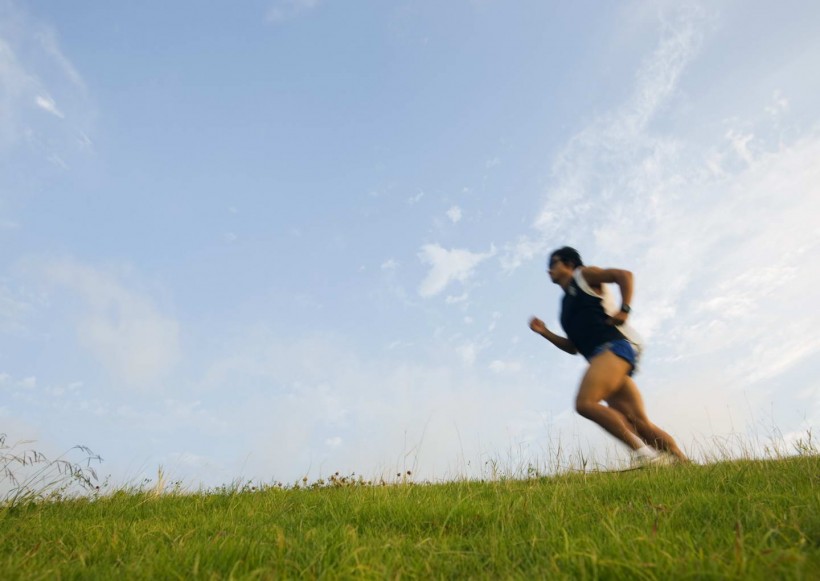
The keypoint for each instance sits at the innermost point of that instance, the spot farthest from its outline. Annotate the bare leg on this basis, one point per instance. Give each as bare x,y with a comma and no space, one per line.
629,402
602,380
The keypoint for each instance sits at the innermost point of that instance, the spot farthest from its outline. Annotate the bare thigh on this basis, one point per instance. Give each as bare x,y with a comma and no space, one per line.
603,379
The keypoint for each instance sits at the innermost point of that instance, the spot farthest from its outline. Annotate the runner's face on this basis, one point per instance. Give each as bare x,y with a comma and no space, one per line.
556,267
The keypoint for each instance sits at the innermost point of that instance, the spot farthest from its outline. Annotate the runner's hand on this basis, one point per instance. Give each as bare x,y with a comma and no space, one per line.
538,325
617,319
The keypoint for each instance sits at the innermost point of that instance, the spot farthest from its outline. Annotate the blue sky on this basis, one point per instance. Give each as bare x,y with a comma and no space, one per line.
293,237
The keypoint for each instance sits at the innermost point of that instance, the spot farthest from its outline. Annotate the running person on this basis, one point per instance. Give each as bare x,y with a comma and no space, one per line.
596,327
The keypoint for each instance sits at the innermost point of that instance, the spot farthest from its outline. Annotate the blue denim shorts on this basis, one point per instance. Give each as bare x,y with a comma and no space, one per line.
623,349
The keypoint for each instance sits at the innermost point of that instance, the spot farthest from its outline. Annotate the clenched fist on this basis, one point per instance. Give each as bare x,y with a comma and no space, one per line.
538,325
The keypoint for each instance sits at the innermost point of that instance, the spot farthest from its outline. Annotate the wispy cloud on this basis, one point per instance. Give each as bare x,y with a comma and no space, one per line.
614,146
448,266
287,9
779,105
499,366
454,213
740,143
122,328
16,305
47,104
35,71
25,383
415,199
752,270
14,83
51,46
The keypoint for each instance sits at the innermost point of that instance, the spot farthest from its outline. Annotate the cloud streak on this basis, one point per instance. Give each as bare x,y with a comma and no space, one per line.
34,75
613,154
47,104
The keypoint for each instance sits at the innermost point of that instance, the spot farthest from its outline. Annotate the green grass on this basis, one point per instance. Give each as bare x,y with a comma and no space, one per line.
741,519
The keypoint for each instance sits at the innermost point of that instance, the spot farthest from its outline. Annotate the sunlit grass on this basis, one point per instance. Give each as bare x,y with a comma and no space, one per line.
735,518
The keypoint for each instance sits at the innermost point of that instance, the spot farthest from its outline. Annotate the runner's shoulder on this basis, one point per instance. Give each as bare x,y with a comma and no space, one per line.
596,276
592,274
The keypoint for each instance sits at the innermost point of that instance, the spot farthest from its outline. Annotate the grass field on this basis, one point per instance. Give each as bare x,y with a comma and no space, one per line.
735,519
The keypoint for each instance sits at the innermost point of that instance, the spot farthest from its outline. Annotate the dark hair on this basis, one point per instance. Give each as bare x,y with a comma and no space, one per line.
568,255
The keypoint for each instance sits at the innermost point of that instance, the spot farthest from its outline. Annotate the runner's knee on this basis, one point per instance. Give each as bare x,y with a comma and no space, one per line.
627,411
585,406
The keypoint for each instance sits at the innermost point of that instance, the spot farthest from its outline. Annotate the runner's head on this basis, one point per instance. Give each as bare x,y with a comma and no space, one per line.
568,256
562,263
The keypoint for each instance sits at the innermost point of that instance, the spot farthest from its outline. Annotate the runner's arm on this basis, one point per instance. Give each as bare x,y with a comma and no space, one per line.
564,344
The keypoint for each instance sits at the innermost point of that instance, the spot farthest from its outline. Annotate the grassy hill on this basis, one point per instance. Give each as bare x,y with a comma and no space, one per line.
742,519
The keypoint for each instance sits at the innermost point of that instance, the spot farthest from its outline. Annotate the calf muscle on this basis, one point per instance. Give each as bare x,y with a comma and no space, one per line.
628,401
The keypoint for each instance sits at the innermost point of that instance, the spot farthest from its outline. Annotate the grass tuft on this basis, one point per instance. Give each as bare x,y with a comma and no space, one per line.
28,476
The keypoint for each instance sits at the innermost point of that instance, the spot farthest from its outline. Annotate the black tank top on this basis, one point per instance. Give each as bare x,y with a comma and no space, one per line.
585,321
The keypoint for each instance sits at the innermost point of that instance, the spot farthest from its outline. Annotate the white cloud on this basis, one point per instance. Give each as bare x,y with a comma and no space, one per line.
761,263
415,199
453,300
494,322
454,213
780,104
447,266
161,414
11,308
28,382
287,9
122,328
47,104
740,144
389,264
468,353
57,161
499,366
